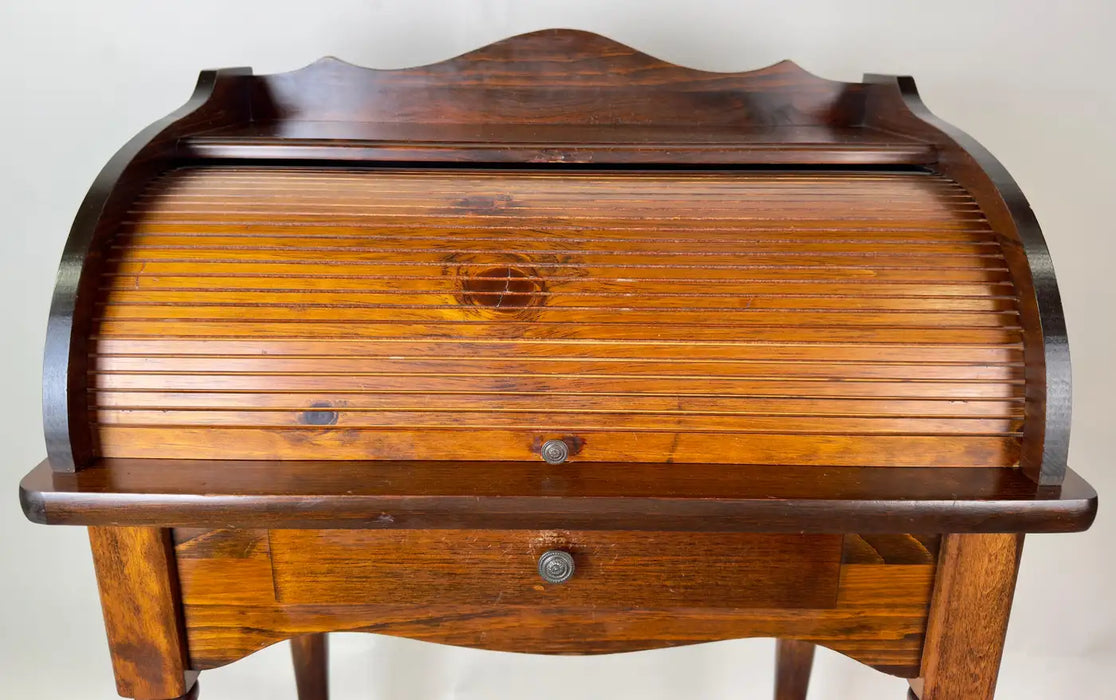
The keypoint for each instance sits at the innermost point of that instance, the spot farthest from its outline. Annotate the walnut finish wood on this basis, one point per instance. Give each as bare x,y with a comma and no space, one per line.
793,663
556,76
507,495
559,143
140,599
219,99
322,322
310,655
895,105
531,79
232,608
969,616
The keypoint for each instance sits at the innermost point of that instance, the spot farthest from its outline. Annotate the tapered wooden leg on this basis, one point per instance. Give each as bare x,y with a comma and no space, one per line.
310,654
138,582
969,616
191,694
793,661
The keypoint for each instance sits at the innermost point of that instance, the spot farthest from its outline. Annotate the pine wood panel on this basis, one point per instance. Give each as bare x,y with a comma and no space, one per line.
878,616
139,598
815,318
613,569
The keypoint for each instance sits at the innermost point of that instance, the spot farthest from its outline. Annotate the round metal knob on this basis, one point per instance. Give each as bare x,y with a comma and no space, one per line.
556,566
555,451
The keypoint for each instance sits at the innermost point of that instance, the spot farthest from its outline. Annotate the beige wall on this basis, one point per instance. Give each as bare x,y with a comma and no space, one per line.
1033,80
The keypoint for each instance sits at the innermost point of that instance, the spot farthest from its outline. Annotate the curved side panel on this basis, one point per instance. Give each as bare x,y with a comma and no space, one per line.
894,104
220,98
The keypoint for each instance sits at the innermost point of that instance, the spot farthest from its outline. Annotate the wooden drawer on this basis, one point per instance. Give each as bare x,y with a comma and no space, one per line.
231,605
500,567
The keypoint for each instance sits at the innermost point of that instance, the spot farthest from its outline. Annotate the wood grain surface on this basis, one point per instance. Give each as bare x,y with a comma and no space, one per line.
232,608
758,308
613,144
140,600
969,616
894,105
533,495
821,318
617,569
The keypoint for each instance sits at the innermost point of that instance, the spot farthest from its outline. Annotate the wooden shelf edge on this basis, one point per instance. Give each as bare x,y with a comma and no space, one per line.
701,498
558,144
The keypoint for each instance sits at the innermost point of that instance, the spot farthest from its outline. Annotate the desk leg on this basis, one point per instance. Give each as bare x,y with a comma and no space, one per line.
793,662
138,582
310,654
969,616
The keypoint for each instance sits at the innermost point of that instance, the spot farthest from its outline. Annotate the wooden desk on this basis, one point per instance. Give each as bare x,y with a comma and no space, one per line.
556,348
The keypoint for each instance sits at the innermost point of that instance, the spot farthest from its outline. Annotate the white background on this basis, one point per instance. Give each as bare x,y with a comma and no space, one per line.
1032,80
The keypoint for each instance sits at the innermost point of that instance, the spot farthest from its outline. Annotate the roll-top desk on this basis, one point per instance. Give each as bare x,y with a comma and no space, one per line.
556,348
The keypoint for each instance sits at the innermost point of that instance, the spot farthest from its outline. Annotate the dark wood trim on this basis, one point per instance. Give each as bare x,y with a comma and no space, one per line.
509,495
557,76
895,105
220,99
536,98
794,660
310,656
557,144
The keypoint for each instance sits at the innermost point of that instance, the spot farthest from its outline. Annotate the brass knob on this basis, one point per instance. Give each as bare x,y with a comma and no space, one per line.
556,566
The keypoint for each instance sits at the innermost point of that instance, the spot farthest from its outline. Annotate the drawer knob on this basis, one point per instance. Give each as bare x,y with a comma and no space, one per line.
555,451
556,566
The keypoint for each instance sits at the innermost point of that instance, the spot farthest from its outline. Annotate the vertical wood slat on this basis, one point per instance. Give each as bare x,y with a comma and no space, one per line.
969,616
138,583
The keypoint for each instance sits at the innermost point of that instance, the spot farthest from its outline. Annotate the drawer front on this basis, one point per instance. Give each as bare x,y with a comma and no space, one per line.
500,567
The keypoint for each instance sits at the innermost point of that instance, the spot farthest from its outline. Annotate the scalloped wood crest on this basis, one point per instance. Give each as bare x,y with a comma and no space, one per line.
558,76
614,64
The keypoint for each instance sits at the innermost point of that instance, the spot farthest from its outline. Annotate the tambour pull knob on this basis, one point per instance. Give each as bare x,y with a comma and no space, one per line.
556,566
555,451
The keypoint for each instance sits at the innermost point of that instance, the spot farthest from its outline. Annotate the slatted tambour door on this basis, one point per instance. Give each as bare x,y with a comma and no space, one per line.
817,318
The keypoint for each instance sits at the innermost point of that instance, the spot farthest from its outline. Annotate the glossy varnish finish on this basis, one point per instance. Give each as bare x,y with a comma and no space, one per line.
232,606
310,654
768,318
321,324
969,614
137,579
614,569
218,100
533,495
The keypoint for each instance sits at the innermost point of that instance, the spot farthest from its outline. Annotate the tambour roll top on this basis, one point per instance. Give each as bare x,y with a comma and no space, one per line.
839,318
667,266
